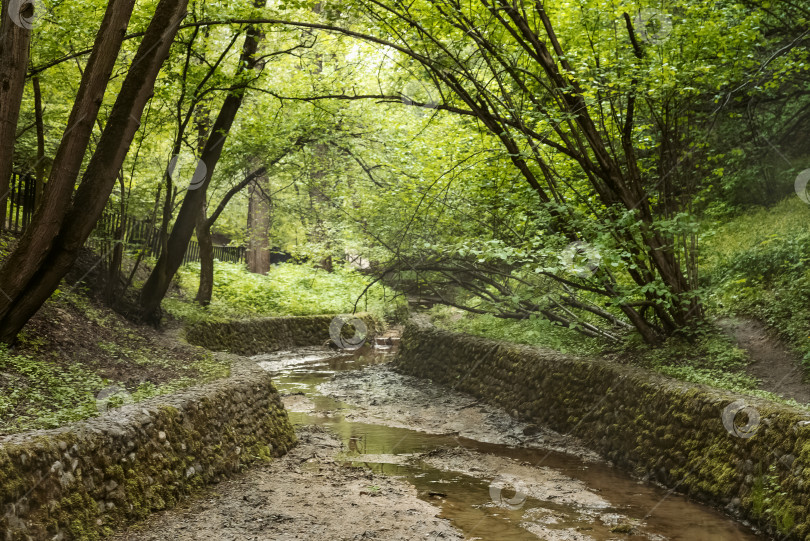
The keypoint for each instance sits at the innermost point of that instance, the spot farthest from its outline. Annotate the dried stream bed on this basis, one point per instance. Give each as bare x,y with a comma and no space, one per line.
491,476
388,456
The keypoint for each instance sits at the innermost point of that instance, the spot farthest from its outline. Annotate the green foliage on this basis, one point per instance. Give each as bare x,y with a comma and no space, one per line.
737,382
55,386
535,331
759,264
132,355
705,347
37,393
287,290
769,501
706,355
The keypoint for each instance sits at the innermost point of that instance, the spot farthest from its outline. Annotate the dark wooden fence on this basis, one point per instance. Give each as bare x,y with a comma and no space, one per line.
233,254
20,203
137,234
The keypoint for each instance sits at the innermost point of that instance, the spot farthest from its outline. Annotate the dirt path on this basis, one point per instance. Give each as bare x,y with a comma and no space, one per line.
306,494
779,369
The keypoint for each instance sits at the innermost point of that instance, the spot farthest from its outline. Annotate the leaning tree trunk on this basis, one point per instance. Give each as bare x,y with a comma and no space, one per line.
170,260
172,257
62,239
29,256
205,290
14,39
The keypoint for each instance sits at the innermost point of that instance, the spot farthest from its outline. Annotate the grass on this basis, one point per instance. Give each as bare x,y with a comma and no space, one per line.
41,394
534,332
758,264
725,240
76,359
288,289
708,357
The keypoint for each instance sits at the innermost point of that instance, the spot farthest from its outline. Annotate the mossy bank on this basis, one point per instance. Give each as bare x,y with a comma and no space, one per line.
261,335
84,480
747,455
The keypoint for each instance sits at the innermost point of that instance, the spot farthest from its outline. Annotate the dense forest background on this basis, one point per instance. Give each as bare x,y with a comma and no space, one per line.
627,171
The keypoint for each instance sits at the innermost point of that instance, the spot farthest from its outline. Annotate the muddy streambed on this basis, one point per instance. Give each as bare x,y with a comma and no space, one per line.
492,477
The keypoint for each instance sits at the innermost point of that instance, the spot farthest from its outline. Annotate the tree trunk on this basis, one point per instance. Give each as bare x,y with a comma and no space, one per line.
258,226
61,239
14,40
170,260
172,257
114,271
40,165
206,287
202,121
37,241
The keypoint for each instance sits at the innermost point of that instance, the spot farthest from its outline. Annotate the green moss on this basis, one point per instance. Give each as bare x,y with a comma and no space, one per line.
115,472
156,481
646,423
250,337
77,512
262,453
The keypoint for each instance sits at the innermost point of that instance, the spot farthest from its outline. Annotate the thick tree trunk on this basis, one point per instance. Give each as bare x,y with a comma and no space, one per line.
206,288
14,40
61,239
170,260
168,199
35,245
258,226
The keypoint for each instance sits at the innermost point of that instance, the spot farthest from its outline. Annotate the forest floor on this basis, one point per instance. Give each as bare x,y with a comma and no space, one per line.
773,362
77,357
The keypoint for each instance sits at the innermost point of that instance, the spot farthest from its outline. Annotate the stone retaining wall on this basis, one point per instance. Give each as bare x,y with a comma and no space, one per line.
656,427
254,336
85,479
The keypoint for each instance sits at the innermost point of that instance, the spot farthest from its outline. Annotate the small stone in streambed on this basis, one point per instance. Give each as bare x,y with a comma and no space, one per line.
622,528
531,430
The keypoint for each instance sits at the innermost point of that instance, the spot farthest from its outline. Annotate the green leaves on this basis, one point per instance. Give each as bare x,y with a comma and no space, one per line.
288,289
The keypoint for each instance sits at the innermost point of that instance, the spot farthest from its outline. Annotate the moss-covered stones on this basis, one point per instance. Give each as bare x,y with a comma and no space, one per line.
83,480
253,336
664,430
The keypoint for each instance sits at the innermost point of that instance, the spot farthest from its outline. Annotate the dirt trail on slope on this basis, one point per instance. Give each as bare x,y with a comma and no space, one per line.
779,369
306,494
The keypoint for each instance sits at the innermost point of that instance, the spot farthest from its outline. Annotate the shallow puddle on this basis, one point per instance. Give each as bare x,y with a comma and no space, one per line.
475,462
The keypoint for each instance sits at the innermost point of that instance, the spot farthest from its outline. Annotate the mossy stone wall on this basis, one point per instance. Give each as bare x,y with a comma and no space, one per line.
86,479
656,427
262,335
